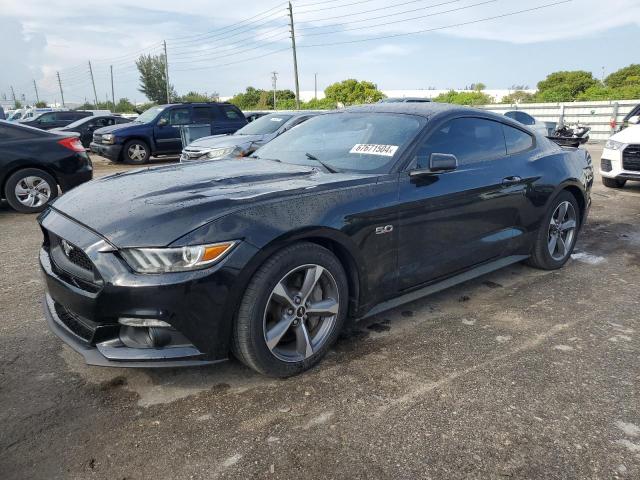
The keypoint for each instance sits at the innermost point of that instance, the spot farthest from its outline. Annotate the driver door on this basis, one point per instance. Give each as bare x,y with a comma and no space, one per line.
167,129
453,220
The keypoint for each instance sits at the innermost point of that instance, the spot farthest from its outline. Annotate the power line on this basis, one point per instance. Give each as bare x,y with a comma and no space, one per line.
466,7
449,2
273,52
404,34
339,6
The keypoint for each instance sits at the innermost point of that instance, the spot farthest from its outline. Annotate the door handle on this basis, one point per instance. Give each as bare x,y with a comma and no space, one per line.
511,180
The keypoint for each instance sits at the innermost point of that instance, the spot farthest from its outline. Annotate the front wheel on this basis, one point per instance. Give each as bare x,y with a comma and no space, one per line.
557,234
613,182
30,190
292,311
135,152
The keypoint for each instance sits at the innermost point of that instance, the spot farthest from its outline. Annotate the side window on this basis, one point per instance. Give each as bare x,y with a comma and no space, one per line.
179,116
68,116
231,112
517,140
102,122
471,140
47,118
202,115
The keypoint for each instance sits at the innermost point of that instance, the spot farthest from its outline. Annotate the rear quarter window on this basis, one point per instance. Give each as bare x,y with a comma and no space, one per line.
231,113
517,140
8,133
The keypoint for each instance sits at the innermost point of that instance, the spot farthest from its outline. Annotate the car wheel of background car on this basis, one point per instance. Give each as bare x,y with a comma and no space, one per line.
292,311
135,152
613,182
557,234
29,190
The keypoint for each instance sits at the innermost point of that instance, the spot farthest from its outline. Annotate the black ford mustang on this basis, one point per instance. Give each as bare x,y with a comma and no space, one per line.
348,214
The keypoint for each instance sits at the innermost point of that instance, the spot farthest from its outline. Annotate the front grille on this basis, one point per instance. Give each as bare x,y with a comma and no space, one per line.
71,263
97,138
631,158
189,155
80,326
605,165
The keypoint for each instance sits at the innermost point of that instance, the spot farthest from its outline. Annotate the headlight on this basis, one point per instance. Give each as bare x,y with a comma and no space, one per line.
224,152
109,138
181,259
613,145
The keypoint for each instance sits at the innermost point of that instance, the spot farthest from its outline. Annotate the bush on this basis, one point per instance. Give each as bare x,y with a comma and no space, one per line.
464,98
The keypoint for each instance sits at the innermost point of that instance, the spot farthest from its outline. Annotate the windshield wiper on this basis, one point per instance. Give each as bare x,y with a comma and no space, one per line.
316,159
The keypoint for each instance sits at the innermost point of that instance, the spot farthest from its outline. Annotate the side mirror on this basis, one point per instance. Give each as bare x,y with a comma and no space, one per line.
635,120
442,162
163,121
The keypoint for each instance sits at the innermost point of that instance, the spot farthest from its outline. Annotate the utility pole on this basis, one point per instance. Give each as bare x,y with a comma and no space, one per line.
113,96
95,94
274,79
13,94
35,87
315,86
295,58
166,69
60,85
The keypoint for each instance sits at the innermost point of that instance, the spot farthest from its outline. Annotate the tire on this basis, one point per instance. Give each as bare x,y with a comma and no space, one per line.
136,152
264,310
613,182
541,255
30,190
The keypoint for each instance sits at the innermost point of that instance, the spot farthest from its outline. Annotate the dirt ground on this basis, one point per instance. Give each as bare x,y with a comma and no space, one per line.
520,374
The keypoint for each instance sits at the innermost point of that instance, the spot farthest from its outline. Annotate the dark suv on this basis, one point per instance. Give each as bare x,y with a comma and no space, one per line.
49,120
157,131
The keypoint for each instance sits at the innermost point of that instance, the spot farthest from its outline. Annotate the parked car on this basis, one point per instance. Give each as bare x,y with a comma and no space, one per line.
157,131
620,159
2,114
251,116
246,140
348,214
16,115
631,118
34,112
544,128
87,125
57,119
34,163
404,100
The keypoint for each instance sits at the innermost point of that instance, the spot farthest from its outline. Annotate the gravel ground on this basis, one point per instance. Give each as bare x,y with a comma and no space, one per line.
522,374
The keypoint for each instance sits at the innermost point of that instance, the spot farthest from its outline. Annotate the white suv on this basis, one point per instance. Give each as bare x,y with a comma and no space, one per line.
621,156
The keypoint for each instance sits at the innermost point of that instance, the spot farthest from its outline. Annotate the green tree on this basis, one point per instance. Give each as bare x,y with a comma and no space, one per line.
565,86
625,77
124,106
153,80
518,96
248,99
41,104
351,91
464,98
197,97
17,104
478,87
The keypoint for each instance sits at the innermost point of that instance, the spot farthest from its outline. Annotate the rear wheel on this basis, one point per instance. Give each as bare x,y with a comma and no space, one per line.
558,233
136,152
292,311
613,182
30,190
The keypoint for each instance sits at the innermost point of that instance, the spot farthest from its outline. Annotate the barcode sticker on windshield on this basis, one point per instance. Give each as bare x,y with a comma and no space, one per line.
373,149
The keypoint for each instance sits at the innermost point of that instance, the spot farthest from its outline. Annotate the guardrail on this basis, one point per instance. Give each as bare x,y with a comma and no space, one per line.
597,115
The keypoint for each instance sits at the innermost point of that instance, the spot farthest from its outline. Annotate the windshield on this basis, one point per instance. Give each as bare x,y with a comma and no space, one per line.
77,123
263,125
149,115
346,142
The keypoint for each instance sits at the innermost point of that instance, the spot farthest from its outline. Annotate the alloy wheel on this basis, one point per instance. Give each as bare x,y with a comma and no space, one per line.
137,152
33,191
562,228
300,313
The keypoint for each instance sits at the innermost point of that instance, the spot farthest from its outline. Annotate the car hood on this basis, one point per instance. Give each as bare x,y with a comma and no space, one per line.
158,205
218,141
631,134
117,126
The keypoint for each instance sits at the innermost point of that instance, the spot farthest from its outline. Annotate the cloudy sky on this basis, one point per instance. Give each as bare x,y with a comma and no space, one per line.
221,46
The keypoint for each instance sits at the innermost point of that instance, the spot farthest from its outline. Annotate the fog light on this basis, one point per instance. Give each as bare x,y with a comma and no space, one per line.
142,322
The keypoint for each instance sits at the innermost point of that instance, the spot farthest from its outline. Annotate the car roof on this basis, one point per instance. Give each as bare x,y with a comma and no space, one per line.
426,109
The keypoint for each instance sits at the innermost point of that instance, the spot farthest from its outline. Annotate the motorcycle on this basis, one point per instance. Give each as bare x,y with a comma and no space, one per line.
570,136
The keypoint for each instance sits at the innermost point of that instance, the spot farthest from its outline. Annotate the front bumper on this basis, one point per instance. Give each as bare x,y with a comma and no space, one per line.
82,306
611,166
112,152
